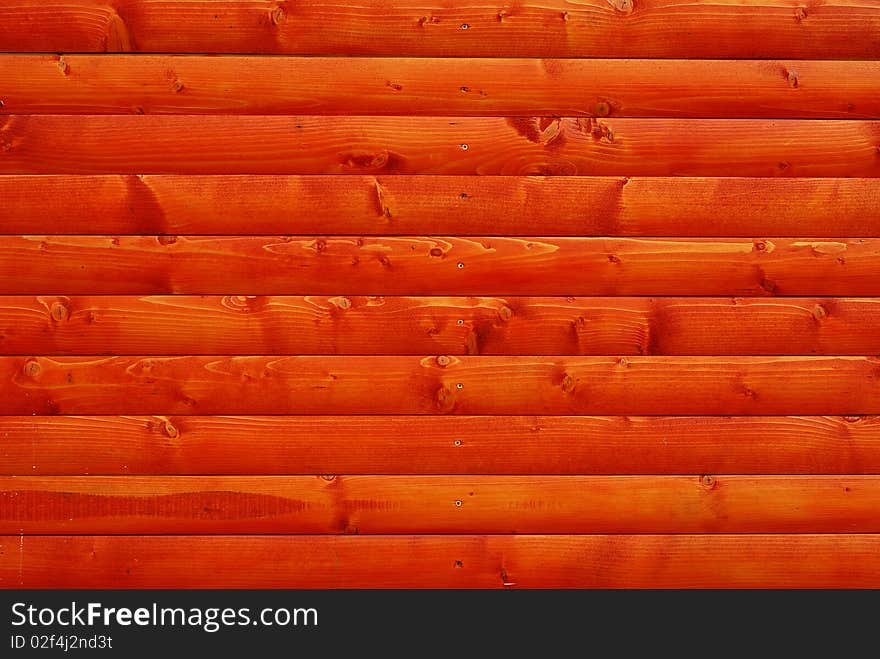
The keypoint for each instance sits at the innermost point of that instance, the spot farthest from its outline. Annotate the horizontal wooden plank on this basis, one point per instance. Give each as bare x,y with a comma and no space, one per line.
179,84
456,561
455,205
283,445
438,504
592,28
444,384
253,325
352,265
259,144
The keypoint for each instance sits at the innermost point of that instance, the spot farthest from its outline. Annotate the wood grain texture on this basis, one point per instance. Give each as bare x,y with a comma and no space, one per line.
175,84
439,385
438,504
395,295
474,561
243,325
593,28
495,445
259,144
353,265
446,205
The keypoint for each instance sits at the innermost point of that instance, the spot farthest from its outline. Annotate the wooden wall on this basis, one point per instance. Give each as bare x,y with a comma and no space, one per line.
387,293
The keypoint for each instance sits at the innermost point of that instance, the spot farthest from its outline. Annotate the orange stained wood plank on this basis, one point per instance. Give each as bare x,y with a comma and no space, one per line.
249,325
593,28
282,445
446,385
231,144
137,84
352,265
456,205
439,504
445,561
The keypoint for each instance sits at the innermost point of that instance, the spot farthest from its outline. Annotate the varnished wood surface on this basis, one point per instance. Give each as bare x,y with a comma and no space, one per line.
281,445
456,561
332,504
237,324
593,28
135,84
259,144
353,265
439,385
595,303
454,205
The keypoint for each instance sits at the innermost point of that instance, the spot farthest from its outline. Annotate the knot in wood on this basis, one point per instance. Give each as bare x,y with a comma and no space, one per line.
769,285
623,6
59,312
445,400
602,109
